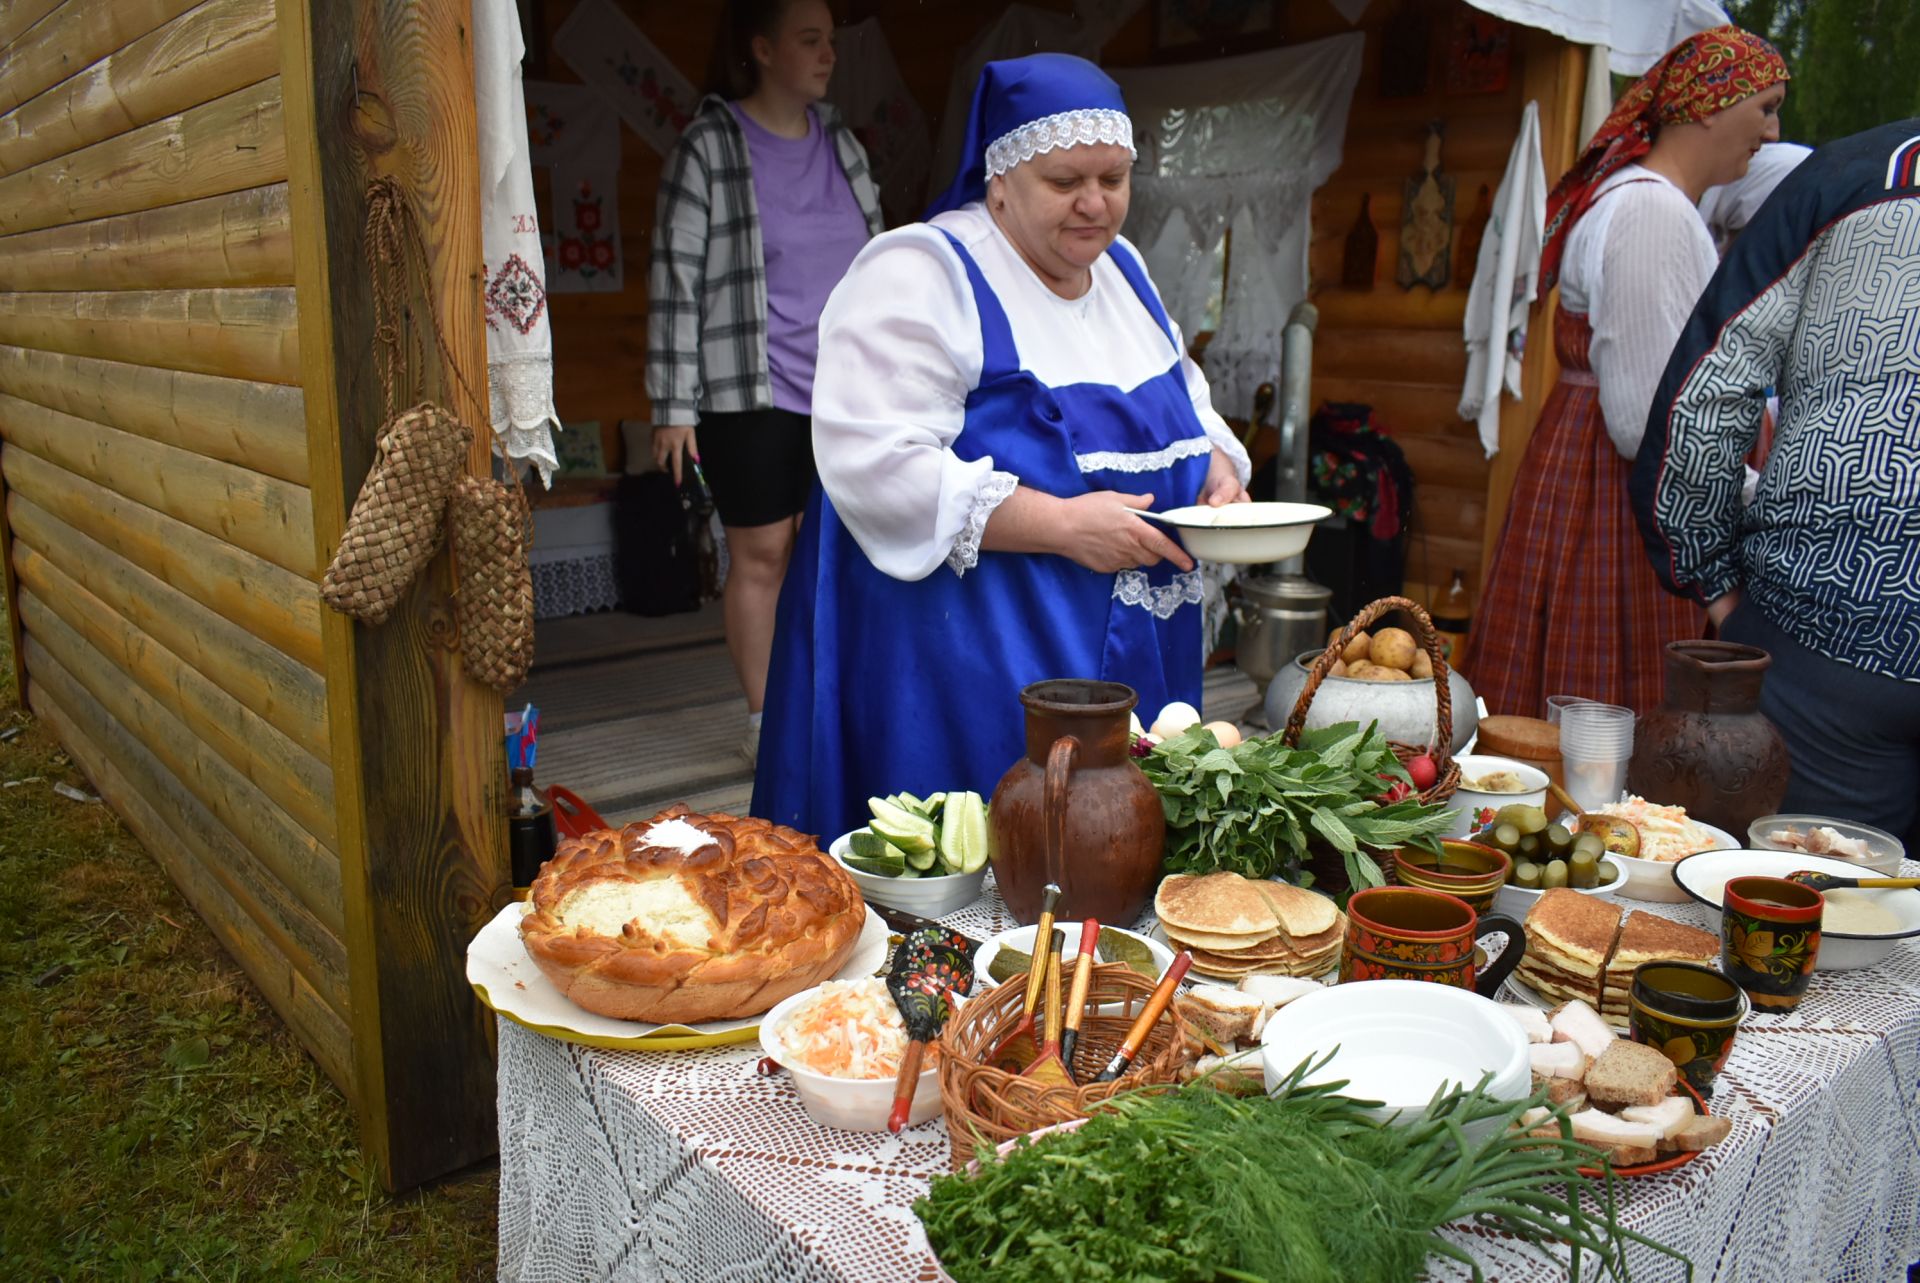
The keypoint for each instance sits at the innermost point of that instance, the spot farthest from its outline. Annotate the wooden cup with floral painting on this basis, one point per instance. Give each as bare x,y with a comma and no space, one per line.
1770,939
1689,1012
1410,933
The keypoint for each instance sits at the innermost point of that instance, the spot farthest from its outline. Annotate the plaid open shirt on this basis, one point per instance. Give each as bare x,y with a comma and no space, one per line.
707,281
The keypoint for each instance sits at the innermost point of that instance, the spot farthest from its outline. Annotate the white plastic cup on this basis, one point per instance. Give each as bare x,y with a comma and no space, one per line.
1595,782
1556,704
1596,741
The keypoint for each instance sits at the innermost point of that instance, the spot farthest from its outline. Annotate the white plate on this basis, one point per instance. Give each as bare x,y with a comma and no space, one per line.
1704,878
1244,533
1022,938
511,982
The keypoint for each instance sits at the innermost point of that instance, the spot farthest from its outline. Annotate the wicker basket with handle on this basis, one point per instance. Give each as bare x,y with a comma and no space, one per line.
986,1105
1441,750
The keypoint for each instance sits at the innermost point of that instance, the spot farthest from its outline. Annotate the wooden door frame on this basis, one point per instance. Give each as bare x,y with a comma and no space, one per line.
384,88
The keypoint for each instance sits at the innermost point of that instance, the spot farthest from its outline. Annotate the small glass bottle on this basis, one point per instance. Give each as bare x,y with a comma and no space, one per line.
1453,617
531,836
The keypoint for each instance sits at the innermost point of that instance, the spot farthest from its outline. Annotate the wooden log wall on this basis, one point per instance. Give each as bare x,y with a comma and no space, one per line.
187,407
158,511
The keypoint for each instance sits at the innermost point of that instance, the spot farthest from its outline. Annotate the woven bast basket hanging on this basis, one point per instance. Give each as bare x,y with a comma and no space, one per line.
494,605
397,521
418,488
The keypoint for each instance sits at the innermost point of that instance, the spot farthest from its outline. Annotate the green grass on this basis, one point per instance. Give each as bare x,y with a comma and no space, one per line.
158,1121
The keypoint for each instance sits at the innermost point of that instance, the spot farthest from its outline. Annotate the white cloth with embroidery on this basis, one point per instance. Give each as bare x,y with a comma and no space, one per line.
519,337
630,1166
900,350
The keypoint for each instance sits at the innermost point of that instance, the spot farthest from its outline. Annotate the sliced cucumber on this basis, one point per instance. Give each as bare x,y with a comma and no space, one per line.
886,867
931,807
910,832
922,860
963,833
871,846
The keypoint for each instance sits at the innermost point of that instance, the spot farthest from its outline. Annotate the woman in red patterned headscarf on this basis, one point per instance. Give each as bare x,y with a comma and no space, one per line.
1571,605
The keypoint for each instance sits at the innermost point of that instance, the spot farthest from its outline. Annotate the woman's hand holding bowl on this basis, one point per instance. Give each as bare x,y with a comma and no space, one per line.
1223,482
1101,532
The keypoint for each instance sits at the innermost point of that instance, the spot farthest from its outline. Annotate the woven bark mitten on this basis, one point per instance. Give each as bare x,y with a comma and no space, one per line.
398,521
494,599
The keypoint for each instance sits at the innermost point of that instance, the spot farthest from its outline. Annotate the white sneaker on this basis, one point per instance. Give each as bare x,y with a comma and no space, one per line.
750,746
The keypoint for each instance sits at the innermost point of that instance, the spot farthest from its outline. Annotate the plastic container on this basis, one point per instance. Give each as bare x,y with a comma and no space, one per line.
1596,743
1884,851
1557,704
850,1104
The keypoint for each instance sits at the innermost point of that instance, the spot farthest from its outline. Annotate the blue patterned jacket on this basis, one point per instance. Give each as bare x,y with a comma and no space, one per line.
1819,299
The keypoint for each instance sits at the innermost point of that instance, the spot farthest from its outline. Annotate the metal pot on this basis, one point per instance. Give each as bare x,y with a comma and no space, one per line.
1278,616
1405,710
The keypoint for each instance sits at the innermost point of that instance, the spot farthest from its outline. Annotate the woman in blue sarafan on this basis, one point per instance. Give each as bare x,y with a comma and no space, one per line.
999,391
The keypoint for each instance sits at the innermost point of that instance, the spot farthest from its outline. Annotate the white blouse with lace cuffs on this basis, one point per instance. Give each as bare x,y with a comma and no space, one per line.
1635,264
900,350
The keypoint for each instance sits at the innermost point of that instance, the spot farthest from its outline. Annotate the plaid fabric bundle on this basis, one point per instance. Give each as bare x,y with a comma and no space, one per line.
396,523
1572,606
707,282
493,601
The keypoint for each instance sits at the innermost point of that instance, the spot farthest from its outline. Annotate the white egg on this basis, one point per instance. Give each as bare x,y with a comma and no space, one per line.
1133,725
1175,718
1226,732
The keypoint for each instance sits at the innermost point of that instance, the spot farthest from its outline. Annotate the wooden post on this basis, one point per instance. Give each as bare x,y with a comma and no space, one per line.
384,88
1555,78
10,602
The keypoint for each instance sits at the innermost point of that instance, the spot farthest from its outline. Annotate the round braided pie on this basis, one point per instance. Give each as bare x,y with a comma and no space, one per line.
689,917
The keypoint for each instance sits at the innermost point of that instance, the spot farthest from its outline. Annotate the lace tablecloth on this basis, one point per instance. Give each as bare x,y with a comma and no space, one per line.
623,1165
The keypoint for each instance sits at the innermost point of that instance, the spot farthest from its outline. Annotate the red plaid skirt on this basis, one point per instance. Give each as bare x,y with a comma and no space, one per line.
1571,604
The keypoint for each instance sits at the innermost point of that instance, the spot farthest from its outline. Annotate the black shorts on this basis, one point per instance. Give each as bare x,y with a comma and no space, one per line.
758,463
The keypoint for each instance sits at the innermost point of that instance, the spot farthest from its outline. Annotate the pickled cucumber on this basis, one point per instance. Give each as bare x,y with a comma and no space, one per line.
1527,875
1582,869
1556,874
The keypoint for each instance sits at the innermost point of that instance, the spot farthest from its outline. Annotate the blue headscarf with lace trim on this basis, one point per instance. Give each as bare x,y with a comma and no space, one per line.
1024,107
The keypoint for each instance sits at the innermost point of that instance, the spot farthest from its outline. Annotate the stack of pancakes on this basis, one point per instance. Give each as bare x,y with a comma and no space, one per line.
1577,947
1237,927
1648,937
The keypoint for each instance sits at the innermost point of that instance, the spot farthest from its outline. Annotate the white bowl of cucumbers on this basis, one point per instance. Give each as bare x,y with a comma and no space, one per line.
924,856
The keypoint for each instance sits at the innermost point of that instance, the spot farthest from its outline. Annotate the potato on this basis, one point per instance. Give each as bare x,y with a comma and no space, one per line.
1381,673
1393,648
1422,665
1333,634
1357,648
1359,670
1339,668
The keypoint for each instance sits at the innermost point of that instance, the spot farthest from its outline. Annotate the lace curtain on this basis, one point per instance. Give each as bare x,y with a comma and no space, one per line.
1241,144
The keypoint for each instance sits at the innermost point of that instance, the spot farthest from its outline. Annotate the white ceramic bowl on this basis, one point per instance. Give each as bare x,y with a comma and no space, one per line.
1398,1042
850,1104
1244,533
1473,766
1022,938
1652,880
1704,877
1516,902
1884,851
923,896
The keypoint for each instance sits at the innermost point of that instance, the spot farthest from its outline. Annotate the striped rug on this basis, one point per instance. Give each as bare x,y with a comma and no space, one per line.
637,714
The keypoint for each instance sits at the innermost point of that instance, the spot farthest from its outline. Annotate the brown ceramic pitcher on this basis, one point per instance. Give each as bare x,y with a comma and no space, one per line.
1076,810
1708,747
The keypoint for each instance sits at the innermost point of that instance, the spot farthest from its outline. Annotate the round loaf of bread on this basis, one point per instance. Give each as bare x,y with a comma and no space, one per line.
689,917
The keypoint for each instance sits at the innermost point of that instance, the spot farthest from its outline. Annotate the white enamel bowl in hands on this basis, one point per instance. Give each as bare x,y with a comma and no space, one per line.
924,897
851,1104
1244,533
1704,877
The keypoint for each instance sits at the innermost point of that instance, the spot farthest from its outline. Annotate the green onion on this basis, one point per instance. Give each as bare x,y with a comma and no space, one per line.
1194,1185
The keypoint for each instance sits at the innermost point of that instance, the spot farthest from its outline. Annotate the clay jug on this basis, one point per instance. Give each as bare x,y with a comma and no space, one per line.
1076,810
1708,747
